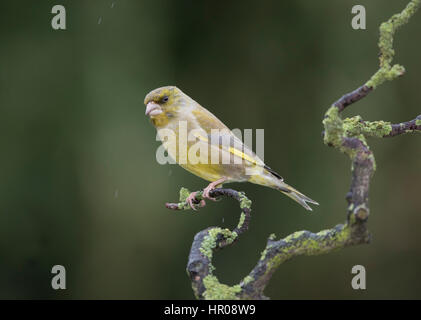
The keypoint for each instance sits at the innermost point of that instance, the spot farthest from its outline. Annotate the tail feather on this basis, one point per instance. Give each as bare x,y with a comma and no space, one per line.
273,180
296,195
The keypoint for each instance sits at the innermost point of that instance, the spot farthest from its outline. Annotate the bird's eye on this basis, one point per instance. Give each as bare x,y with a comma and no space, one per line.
165,99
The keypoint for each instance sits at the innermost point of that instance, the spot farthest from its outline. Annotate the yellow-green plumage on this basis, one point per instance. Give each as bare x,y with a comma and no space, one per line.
173,110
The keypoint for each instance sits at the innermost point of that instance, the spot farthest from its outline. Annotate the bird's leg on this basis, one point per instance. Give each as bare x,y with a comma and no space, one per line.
191,198
212,186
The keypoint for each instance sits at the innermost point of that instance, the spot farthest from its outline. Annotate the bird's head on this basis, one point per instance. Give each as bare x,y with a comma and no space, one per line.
163,104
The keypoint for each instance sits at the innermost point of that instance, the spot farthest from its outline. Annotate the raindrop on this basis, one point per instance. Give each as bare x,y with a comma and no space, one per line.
116,193
99,20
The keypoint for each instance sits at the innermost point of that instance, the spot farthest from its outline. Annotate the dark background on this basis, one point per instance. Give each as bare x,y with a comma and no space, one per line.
79,182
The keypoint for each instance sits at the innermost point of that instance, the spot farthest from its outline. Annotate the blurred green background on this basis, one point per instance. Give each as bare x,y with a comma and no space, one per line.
80,185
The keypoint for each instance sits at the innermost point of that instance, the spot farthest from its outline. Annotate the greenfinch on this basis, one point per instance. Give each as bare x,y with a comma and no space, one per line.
172,111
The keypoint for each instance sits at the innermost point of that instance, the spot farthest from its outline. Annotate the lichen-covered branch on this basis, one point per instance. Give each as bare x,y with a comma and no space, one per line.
405,127
199,267
347,135
387,32
201,271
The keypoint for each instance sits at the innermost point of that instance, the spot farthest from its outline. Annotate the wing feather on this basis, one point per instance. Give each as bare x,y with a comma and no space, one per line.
223,137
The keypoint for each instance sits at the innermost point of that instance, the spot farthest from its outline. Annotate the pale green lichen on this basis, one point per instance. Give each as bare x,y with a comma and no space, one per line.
184,193
324,233
232,237
247,280
214,289
355,126
344,235
210,240
244,201
333,127
303,242
294,236
418,122
387,31
218,291
242,219
385,74
264,253
377,129
335,131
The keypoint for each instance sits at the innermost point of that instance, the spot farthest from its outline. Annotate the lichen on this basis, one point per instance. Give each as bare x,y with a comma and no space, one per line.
418,122
218,291
242,219
377,129
209,242
294,236
184,193
304,242
263,254
385,73
387,31
333,127
343,235
247,280
244,201
324,233
336,130
355,126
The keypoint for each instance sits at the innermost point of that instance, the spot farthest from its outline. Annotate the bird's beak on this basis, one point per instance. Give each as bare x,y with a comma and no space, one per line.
153,109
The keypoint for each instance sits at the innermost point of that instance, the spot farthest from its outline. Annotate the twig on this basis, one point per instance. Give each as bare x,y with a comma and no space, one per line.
405,127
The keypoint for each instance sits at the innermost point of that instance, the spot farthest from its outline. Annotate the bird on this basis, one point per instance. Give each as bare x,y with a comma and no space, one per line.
171,111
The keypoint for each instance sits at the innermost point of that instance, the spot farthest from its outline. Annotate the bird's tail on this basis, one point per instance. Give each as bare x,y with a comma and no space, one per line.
273,180
295,195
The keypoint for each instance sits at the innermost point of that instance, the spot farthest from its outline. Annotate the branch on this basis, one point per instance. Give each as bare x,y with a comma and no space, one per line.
199,266
348,136
405,127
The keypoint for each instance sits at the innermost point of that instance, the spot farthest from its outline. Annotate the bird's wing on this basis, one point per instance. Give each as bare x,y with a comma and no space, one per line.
222,137
206,120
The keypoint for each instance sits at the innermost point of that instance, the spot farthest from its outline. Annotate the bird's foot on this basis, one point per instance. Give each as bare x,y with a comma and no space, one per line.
206,193
192,201
210,187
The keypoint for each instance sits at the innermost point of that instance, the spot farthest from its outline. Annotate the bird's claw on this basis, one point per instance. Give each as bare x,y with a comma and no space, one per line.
206,193
191,199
